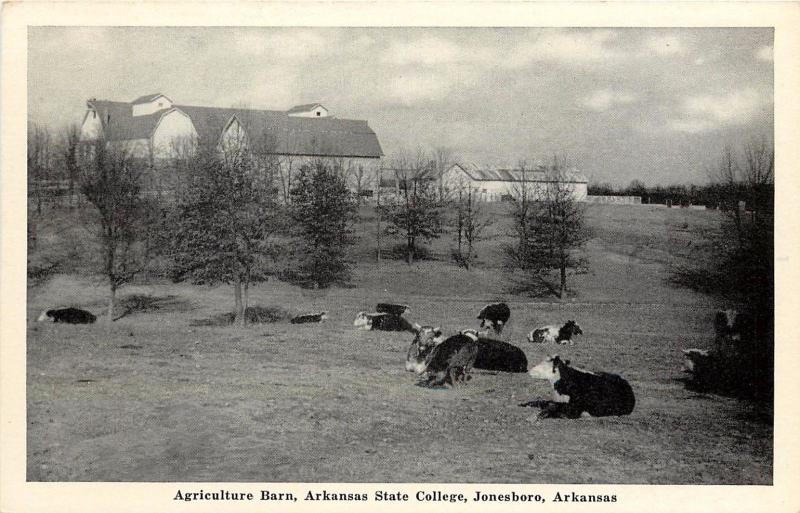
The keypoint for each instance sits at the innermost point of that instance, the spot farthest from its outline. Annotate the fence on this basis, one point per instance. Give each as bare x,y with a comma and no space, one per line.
615,200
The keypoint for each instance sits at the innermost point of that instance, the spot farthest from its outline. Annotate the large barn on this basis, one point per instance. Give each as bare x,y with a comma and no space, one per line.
156,128
500,183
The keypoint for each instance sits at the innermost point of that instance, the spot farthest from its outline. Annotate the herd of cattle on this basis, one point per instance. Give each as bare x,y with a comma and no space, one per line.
442,360
450,359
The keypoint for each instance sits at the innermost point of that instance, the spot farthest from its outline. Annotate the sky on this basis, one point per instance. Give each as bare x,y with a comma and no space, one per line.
656,105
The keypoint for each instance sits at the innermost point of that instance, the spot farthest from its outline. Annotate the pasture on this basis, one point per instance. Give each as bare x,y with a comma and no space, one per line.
163,396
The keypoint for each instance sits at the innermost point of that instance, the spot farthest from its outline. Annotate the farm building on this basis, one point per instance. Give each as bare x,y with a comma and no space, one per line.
156,128
497,184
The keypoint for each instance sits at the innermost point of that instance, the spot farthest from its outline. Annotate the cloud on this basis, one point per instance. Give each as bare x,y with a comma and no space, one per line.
602,99
425,50
708,112
765,53
565,47
415,87
286,44
664,45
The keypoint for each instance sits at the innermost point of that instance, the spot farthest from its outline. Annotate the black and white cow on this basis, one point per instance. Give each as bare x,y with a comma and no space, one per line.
554,334
452,360
381,321
426,338
310,317
495,315
68,315
576,391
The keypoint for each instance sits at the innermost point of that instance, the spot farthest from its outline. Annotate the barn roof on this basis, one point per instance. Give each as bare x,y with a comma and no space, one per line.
539,174
274,131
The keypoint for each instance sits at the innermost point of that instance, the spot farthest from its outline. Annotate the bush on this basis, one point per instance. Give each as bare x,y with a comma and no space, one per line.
253,315
400,252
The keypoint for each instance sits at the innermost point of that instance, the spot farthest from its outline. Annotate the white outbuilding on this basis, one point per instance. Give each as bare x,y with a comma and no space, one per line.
498,184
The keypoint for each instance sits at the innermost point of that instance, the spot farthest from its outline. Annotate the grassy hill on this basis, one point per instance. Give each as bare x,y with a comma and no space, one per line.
162,396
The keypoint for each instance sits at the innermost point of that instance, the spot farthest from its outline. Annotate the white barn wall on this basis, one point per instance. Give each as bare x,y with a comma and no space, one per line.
92,127
175,128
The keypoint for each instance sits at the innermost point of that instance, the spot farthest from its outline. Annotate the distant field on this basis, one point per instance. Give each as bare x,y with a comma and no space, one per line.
324,402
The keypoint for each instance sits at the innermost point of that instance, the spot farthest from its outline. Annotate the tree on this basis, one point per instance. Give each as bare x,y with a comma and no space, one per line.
39,161
111,182
224,217
416,211
322,209
70,142
442,159
550,229
470,223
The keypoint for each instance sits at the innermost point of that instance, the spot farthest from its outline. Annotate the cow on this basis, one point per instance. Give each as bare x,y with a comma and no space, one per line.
68,315
554,334
452,360
310,317
576,391
496,315
381,321
732,329
496,355
391,308
425,340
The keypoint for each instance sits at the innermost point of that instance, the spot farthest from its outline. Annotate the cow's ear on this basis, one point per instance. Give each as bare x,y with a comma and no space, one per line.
437,331
566,362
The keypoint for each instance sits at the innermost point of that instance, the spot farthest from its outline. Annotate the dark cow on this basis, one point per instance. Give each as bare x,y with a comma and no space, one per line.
554,334
391,308
452,360
576,391
68,315
495,315
497,355
381,322
494,355
732,329
311,317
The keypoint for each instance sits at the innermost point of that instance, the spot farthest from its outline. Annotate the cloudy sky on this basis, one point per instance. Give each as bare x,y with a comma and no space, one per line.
622,104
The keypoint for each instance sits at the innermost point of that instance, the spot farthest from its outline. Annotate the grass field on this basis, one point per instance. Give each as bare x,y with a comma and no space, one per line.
159,397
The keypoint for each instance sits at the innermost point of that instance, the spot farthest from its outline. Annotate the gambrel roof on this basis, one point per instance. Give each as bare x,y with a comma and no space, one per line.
270,131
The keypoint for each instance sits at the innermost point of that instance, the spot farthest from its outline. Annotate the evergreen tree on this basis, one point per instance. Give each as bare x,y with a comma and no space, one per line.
322,210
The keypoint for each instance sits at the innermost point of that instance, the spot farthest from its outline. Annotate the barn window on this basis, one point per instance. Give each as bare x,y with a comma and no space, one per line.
318,113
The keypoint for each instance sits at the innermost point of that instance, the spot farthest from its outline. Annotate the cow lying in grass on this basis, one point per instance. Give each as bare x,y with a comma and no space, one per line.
554,334
576,391
494,355
495,315
388,317
452,360
68,315
311,317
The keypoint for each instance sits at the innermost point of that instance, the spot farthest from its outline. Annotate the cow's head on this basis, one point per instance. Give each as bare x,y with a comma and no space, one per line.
362,321
323,316
426,338
46,316
549,369
571,328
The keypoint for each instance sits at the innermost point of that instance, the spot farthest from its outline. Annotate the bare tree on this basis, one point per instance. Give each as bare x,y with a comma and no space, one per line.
415,211
442,159
39,160
111,182
470,222
69,146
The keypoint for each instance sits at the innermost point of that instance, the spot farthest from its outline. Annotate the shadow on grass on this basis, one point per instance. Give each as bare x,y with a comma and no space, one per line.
253,314
144,303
